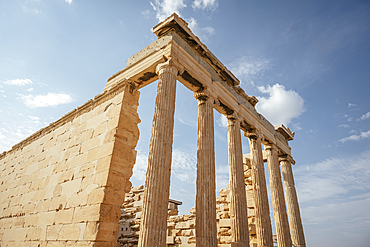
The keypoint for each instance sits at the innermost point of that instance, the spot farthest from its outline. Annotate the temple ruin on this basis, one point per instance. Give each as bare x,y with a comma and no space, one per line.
65,184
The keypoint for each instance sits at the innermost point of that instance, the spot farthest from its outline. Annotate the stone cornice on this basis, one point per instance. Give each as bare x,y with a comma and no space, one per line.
178,25
86,107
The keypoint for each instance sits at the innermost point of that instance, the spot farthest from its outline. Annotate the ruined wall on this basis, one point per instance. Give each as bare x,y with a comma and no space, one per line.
64,185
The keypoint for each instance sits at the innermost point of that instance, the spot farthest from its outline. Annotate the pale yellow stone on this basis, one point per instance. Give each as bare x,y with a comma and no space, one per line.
69,232
64,216
52,232
86,213
46,218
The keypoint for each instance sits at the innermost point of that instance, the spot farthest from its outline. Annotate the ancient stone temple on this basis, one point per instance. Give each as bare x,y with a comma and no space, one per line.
65,184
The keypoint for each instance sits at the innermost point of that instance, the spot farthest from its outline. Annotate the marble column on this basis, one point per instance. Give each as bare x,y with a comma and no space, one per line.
238,203
296,228
277,197
206,229
262,212
157,184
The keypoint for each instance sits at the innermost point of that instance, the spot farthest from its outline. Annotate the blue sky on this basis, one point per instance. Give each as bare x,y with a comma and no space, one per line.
308,62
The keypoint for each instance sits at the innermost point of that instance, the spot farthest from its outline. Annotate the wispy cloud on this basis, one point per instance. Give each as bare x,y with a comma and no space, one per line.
184,165
139,171
145,13
18,82
222,121
365,116
247,69
165,8
361,136
333,177
46,100
189,122
343,126
205,4
203,33
281,106
69,1
351,105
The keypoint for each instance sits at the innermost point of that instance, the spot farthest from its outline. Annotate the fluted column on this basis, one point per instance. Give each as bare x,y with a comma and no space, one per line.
206,229
238,203
296,228
154,217
277,197
263,221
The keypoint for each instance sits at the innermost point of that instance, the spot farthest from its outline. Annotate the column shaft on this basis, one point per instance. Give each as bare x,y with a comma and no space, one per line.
206,229
238,203
263,221
296,228
277,197
154,217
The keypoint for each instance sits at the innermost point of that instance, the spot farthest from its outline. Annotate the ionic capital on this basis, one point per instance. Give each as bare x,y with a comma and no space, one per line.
204,96
270,147
171,66
286,157
234,118
254,135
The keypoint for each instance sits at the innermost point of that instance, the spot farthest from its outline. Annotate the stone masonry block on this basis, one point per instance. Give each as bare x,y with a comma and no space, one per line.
46,218
77,200
52,232
87,213
34,234
64,216
107,232
71,187
224,223
69,232
58,203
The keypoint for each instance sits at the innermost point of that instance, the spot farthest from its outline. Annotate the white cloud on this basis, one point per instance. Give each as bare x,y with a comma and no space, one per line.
296,126
69,1
31,10
362,135
184,165
351,105
50,99
281,106
145,13
203,33
205,4
188,121
365,116
333,177
2,137
18,82
343,126
35,120
248,68
222,121
139,171
166,8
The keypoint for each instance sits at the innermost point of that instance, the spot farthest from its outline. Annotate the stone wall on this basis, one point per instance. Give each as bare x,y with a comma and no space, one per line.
181,228
64,185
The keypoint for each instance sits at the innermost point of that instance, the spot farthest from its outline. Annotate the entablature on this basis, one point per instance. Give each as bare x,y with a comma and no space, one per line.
202,70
